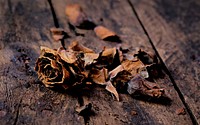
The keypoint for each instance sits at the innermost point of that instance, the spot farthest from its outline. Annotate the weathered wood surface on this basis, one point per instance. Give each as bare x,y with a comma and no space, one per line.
23,100
118,16
173,26
24,28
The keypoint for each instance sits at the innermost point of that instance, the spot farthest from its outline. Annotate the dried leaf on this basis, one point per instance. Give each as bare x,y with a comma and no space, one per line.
146,57
112,89
106,34
180,111
77,17
68,56
75,14
57,33
109,58
133,113
115,71
134,67
75,46
99,76
142,86
90,58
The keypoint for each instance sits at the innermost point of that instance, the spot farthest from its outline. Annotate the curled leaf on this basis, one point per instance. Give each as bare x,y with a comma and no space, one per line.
57,33
146,57
134,67
68,56
99,76
90,58
110,58
140,85
77,17
115,71
75,46
112,89
106,34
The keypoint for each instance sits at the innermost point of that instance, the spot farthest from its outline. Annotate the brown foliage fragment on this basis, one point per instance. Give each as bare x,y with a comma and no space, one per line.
180,111
57,33
102,32
106,34
142,86
75,14
78,65
77,17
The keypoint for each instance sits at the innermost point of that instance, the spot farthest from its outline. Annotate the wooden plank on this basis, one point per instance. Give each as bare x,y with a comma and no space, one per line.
118,16
24,28
173,27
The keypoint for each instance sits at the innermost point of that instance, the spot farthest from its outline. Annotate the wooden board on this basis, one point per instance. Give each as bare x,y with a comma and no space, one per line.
23,100
174,29
118,16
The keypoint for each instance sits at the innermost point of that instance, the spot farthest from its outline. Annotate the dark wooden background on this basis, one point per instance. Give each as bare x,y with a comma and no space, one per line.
171,28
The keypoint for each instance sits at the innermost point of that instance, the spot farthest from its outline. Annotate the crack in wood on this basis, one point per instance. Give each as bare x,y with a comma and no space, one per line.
180,94
56,21
79,98
17,114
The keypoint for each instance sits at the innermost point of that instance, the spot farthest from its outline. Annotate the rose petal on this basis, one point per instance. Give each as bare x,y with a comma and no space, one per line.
90,58
112,89
99,76
75,46
75,14
103,33
68,56
115,71
134,67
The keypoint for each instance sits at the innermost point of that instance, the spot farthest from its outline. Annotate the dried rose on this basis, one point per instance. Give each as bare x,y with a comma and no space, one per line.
51,70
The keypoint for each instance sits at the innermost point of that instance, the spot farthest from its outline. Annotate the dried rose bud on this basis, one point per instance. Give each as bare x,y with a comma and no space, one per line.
50,68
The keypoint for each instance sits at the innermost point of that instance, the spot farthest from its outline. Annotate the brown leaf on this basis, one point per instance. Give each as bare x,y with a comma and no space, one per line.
147,57
109,58
133,113
90,58
75,14
180,111
115,71
77,17
112,89
142,86
57,33
68,56
103,33
75,46
99,76
134,67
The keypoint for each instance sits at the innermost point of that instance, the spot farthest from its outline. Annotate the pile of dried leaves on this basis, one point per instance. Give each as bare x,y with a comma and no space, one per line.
80,66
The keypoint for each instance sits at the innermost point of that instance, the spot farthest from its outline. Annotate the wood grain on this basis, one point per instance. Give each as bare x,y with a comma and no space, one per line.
174,29
118,16
23,100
